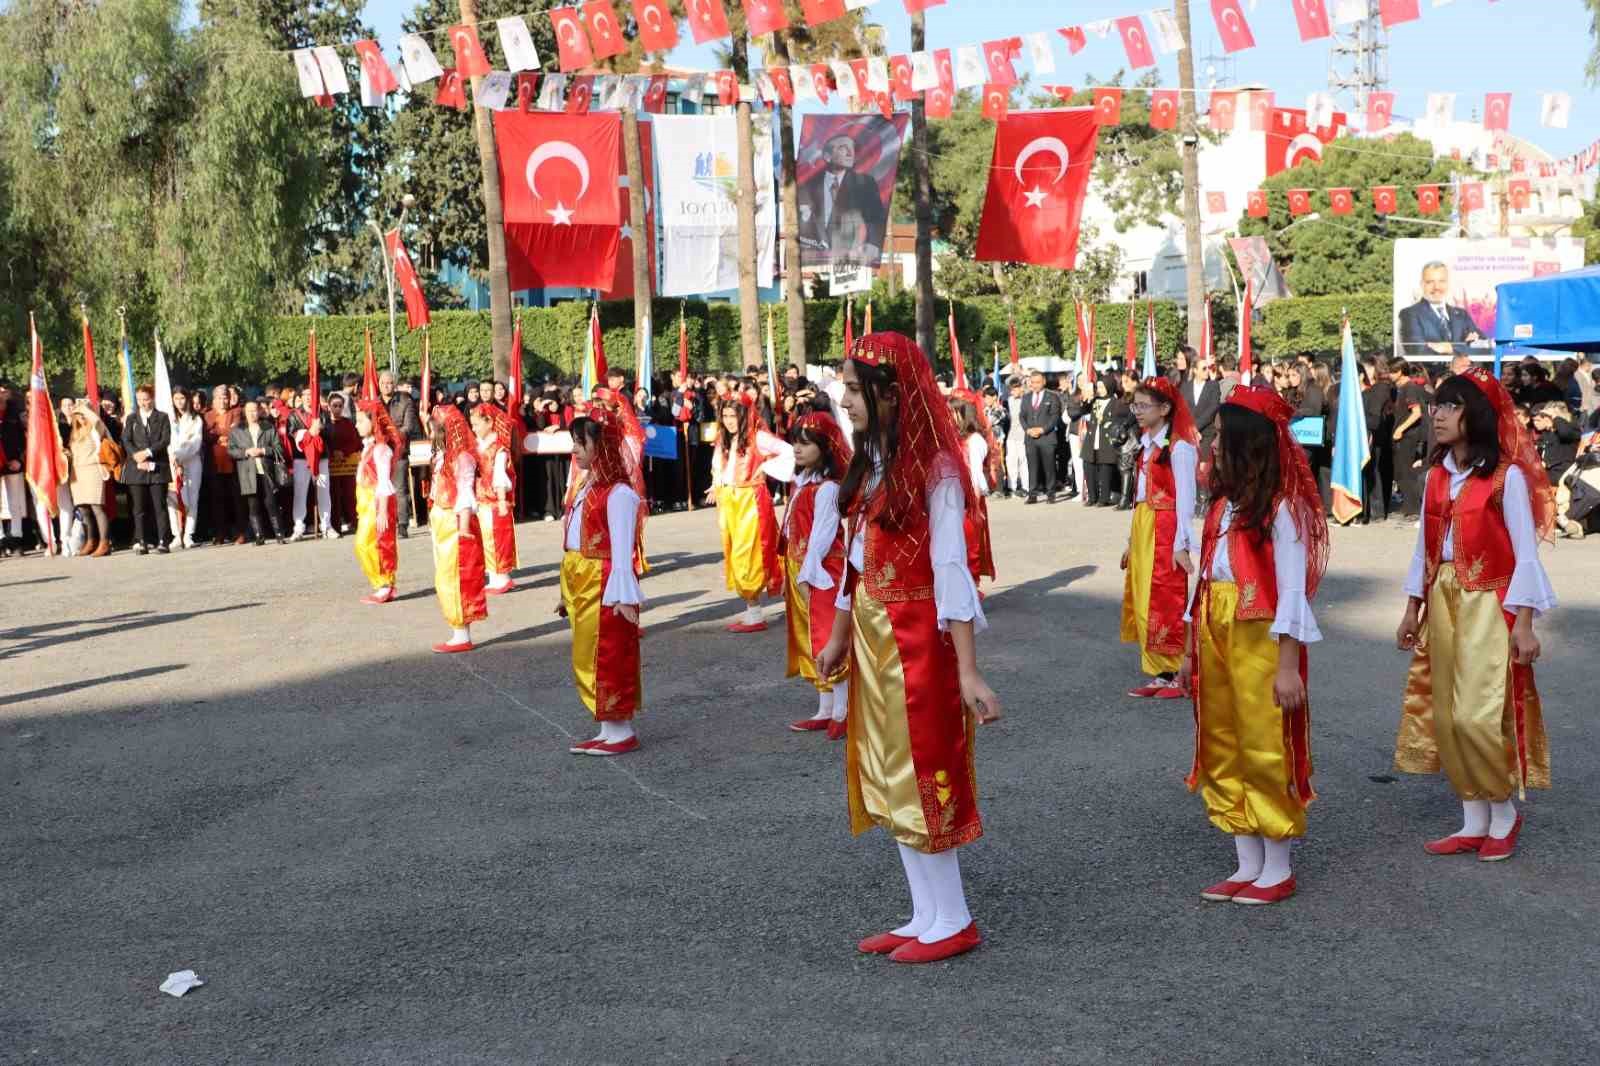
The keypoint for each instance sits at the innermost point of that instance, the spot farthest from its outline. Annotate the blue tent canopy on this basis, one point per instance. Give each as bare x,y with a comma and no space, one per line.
1560,312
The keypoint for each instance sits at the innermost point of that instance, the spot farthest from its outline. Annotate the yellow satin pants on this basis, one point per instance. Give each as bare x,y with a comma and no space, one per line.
744,560
1136,600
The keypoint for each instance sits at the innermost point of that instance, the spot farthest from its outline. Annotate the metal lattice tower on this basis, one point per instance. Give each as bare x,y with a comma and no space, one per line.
1358,61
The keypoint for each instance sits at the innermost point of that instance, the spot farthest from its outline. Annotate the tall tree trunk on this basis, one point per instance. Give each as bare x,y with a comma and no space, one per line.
1193,248
494,219
749,301
924,207
793,287
642,238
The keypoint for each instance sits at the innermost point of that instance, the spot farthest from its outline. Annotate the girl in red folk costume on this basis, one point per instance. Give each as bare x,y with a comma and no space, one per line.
600,592
495,503
746,456
1158,561
813,554
1262,556
1474,588
375,500
985,465
453,521
907,617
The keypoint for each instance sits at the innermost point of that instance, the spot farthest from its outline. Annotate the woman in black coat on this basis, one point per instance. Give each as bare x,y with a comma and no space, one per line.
258,463
1105,430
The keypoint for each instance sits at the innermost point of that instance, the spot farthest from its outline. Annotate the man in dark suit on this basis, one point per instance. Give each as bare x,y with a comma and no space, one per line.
1431,324
145,437
842,214
1041,424
1201,395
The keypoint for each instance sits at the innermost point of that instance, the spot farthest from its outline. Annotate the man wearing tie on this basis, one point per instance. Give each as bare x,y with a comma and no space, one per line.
1041,424
1431,324
145,437
842,214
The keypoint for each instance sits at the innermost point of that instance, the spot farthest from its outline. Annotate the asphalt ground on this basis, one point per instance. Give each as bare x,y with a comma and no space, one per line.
220,760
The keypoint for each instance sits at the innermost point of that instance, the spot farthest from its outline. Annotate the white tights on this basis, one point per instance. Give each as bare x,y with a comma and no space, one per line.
1262,862
938,901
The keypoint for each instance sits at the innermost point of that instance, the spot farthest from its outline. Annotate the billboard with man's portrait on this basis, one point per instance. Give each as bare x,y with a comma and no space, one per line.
845,169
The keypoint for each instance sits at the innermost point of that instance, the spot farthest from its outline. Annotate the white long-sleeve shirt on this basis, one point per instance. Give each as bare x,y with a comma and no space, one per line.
187,437
466,475
955,595
1530,585
382,466
1294,617
500,481
1185,463
777,461
824,527
622,515
977,457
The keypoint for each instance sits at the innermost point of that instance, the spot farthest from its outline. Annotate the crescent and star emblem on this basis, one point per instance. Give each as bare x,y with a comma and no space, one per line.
600,21
1306,143
1316,16
1230,19
1035,197
1135,39
560,215
653,23
569,33
463,41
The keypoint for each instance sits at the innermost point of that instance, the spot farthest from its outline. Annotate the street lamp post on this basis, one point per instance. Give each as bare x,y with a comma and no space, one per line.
406,202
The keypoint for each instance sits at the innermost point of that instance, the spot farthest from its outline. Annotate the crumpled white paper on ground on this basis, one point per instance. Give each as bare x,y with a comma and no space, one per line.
178,983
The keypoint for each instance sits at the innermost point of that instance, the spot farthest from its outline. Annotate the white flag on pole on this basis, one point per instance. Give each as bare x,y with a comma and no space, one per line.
418,59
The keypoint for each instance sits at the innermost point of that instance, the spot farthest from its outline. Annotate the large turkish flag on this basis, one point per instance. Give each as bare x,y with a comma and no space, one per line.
558,188
1291,142
1038,179
405,276
658,30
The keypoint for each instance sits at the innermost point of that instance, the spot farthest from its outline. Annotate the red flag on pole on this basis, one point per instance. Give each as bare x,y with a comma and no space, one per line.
514,379
1244,332
91,375
1011,328
1132,349
849,337
312,445
955,352
1088,363
427,377
405,276
43,462
369,374
683,347
1037,183
600,371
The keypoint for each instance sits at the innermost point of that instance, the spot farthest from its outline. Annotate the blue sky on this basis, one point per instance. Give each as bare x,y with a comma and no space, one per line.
1469,47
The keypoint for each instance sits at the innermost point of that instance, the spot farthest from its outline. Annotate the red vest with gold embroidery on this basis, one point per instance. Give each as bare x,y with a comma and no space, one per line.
594,538
899,562
749,473
798,522
1484,558
486,461
1160,484
367,472
1252,560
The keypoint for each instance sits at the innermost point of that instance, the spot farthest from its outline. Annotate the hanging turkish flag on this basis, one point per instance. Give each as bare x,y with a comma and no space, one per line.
655,97
708,21
1470,195
1497,111
527,89
1224,103
784,84
621,286
581,95
1291,142
1256,204
997,57
379,74
1299,201
1520,192
558,182
900,77
450,92
1312,17
658,30
762,17
1107,105
996,102
1038,178
1380,111
944,64
819,11
1163,108
822,79
1341,201
1231,26
405,278
1385,199
1064,94
937,101
470,60
1217,203
1136,42
727,88
1075,39
1428,199
605,33
1394,12
1261,104
572,43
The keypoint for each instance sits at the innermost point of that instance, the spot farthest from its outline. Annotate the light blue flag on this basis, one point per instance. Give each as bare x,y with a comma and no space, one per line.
1351,452
1149,343
646,360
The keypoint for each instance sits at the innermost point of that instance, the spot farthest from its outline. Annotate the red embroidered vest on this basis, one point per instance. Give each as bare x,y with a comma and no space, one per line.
442,492
1160,484
798,522
485,486
367,472
749,473
899,562
1484,559
594,538
1251,558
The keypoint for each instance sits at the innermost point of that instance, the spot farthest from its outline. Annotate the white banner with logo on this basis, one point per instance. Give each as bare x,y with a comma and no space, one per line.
697,174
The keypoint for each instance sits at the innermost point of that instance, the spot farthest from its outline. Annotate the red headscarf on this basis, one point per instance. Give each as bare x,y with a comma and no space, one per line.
1180,424
618,458
995,462
457,436
821,424
383,428
1297,485
499,420
1517,446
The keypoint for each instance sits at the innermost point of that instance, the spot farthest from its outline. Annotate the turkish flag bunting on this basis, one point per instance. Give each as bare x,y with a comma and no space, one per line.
817,12
1062,92
1428,199
658,30
581,94
858,70
450,93
885,104
1075,38
379,74
708,21
1256,204
1395,12
822,78
1224,103
1136,41
1471,196
764,16
1107,106
1519,190
1261,104
1384,199
727,88
947,71
1231,26
900,77
1341,201
572,43
621,286
1217,202
1312,15
527,89
470,60
655,97
997,55
1164,109
558,186
938,102
605,33
1380,111
405,277
1038,179
1299,201
783,83
996,101
1497,111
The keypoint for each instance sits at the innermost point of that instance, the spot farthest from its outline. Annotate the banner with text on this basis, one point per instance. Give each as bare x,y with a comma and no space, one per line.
697,202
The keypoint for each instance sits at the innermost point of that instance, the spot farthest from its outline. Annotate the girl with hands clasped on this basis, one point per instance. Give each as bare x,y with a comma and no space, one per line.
375,500
1262,555
1474,588
907,615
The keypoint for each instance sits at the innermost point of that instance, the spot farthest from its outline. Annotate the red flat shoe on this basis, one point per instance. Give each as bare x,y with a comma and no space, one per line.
747,627
1251,896
377,599
950,946
811,725
452,649
837,730
1146,690
1454,845
1223,891
1171,691
620,747
1497,848
583,746
501,591
883,943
